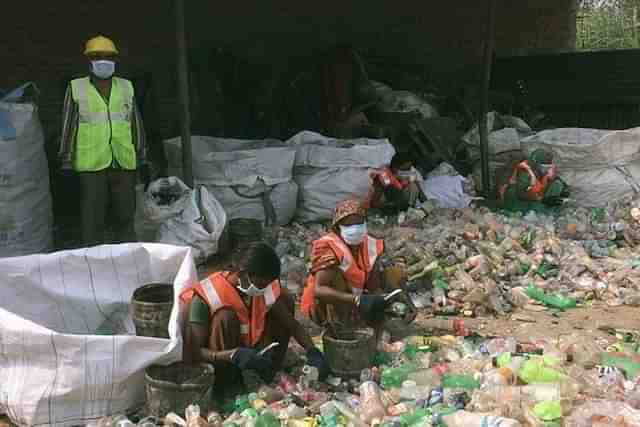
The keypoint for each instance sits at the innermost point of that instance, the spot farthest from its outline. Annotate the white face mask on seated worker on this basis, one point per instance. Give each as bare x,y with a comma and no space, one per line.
353,234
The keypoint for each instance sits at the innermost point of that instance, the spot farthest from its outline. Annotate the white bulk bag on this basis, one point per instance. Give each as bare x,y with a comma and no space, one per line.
199,225
329,170
599,166
250,178
56,369
26,217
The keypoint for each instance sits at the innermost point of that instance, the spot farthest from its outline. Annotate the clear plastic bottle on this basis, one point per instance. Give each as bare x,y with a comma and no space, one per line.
410,390
431,377
372,411
471,419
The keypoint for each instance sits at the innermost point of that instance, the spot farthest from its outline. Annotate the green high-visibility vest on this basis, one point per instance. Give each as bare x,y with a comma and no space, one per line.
104,131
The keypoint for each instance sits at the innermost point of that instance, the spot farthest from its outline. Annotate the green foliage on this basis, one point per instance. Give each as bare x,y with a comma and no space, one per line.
608,24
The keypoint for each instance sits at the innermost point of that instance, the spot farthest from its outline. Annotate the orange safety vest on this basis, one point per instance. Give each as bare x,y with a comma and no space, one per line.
355,271
386,179
218,293
538,186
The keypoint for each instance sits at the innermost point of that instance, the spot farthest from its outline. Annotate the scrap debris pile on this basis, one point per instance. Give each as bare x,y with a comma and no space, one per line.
477,262
453,381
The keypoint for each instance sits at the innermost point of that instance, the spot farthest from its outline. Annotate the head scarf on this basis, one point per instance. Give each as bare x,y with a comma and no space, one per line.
541,157
346,208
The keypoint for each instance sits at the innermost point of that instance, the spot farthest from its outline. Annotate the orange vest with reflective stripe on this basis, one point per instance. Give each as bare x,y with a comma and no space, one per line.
355,271
538,186
386,178
218,293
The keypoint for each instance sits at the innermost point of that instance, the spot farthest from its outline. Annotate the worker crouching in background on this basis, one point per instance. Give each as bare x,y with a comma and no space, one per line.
103,141
396,188
234,314
533,185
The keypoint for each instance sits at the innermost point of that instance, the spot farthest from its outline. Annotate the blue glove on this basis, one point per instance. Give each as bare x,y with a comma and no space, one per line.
316,358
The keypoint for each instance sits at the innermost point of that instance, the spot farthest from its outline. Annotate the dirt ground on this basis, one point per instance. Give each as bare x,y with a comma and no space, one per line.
529,326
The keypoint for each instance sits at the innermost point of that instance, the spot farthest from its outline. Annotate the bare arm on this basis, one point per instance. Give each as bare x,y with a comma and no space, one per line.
329,295
196,347
285,317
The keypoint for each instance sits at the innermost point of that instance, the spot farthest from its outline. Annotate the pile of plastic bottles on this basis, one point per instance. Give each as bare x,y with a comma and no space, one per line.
476,262
453,381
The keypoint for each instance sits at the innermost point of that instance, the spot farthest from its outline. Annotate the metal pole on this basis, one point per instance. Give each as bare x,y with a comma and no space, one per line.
484,96
183,95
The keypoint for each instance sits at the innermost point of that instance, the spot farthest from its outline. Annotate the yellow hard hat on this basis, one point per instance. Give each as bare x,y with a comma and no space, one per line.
100,44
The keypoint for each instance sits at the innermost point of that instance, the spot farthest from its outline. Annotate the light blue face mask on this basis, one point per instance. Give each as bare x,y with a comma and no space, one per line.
353,234
103,69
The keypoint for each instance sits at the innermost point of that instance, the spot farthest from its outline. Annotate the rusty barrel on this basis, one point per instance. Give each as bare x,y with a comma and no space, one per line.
350,351
152,306
172,388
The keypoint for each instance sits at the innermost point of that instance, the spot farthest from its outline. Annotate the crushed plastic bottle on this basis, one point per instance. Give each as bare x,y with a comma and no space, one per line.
471,419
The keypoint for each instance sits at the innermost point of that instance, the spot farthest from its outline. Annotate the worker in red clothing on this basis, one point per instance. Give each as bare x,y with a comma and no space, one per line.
234,314
396,188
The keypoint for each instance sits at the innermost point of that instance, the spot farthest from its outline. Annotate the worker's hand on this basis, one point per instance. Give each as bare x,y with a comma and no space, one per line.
249,358
371,308
316,358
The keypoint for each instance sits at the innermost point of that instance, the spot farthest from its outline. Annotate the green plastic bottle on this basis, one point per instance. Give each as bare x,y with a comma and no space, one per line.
394,377
242,403
414,417
537,370
267,419
460,381
554,301
620,361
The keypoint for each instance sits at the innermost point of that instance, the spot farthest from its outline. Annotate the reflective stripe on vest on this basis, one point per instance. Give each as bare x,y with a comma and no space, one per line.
371,249
387,178
218,293
104,131
355,277
537,186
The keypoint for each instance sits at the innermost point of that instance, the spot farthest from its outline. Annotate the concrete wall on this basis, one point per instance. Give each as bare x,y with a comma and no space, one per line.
43,41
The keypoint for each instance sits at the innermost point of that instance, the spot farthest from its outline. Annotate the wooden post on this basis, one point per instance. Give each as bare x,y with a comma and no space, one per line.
484,96
183,95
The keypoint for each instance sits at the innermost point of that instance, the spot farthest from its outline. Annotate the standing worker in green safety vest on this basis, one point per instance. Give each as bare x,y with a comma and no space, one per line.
103,141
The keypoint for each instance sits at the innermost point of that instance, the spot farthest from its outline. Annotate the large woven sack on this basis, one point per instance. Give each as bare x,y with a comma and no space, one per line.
329,170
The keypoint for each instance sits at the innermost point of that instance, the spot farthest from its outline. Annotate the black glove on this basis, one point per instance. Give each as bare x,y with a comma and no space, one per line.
248,358
316,358
371,308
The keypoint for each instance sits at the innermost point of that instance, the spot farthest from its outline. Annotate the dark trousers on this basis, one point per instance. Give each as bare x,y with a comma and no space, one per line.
108,192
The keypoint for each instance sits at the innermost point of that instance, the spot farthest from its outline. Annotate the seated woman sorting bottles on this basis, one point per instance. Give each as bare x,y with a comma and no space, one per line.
234,314
346,278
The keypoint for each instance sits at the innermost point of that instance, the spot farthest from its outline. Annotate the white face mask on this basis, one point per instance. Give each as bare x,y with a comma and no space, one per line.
353,234
406,174
251,290
103,69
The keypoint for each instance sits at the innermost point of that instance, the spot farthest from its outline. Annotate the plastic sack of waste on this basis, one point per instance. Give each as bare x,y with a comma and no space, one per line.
599,166
26,217
446,191
505,133
250,178
165,198
199,225
329,170
402,101
57,369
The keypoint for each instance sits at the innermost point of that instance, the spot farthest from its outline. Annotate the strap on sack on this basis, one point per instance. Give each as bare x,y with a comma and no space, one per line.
270,216
626,174
18,93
